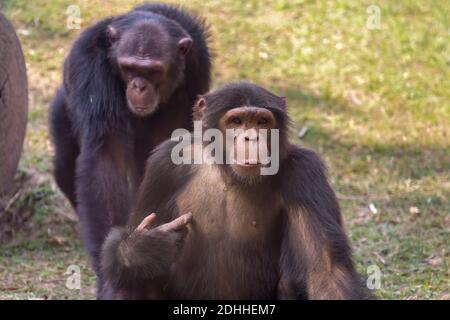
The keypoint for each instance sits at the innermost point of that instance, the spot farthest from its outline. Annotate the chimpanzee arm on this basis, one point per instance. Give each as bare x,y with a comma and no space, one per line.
134,256
96,106
140,260
102,191
316,257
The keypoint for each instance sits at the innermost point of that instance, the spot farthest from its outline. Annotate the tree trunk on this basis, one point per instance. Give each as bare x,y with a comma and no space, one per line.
13,107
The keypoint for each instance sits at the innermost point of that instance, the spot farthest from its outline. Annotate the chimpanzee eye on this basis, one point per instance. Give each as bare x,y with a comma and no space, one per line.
262,121
236,120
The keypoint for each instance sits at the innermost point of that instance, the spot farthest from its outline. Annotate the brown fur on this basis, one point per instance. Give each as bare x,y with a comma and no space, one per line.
278,237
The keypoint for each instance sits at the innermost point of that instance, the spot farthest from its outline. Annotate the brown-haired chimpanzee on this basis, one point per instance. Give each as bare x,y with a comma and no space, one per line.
223,231
129,81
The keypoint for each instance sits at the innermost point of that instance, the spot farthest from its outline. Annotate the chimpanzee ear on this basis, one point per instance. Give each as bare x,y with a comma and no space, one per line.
184,45
112,33
199,108
283,102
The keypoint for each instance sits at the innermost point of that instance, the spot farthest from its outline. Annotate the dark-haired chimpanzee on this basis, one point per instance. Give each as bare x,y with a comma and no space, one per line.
224,231
129,81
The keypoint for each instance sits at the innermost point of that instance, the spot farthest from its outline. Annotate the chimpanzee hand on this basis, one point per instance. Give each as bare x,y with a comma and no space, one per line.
174,231
155,248
144,255
175,225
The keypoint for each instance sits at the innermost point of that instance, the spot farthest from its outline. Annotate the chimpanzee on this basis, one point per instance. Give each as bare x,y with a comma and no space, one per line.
129,81
226,231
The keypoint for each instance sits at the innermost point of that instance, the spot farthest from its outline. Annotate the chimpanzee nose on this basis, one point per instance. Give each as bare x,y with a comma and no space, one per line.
139,85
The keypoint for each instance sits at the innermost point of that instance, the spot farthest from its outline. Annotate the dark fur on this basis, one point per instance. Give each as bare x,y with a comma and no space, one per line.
303,254
99,144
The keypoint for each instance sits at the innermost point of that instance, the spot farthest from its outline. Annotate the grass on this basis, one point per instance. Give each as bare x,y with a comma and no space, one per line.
376,102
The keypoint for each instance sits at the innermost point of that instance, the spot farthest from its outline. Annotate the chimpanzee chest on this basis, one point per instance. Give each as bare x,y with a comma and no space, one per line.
232,248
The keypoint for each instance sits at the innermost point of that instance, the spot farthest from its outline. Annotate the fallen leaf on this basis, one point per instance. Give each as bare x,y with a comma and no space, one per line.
58,240
373,209
355,98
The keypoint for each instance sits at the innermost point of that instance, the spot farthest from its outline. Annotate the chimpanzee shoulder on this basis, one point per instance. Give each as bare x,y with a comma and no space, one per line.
91,82
303,181
300,172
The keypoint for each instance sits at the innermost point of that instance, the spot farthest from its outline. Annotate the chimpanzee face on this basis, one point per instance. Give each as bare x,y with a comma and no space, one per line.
151,62
250,128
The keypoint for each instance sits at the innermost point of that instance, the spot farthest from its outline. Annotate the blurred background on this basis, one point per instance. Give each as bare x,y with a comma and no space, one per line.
368,87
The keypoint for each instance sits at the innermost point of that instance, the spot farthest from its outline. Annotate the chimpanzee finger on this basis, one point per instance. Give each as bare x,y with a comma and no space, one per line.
146,222
177,223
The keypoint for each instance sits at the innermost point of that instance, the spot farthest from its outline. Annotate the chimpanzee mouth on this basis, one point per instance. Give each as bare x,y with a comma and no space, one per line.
247,164
143,110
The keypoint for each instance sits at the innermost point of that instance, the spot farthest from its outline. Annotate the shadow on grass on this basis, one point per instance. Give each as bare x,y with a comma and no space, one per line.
408,160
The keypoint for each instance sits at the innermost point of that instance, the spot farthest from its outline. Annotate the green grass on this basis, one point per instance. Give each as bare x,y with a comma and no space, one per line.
376,102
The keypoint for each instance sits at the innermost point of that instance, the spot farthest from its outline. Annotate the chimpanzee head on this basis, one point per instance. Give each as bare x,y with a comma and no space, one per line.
250,113
150,52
